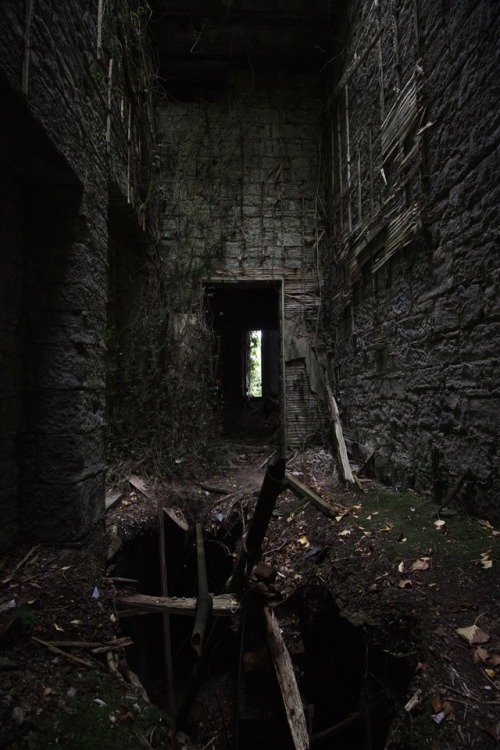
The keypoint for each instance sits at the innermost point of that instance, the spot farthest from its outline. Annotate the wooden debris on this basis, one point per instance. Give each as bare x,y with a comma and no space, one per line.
95,646
251,549
213,490
267,460
20,564
288,685
112,498
204,600
167,641
303,491
176,517
60,652
339,436
223,606
414,701
140,485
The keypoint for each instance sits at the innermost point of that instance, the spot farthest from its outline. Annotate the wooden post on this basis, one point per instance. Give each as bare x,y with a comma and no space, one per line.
204,601
169,673
251,549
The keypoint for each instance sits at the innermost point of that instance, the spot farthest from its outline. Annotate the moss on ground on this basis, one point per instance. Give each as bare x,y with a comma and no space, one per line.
82,721
408,525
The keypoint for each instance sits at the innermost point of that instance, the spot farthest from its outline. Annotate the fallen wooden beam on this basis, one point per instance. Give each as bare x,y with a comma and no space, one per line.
223,606
303,491
288,685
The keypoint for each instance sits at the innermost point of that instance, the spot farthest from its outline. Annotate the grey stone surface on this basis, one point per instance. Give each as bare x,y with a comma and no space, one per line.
438,302
67,143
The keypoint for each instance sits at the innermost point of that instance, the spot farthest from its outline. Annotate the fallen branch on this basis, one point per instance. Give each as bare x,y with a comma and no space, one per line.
60,652
95,646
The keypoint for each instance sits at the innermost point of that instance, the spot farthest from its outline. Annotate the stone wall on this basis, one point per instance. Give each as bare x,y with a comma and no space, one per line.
413,257
74,129
241,190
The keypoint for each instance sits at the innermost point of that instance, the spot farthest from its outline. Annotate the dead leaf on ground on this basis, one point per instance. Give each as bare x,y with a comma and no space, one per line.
480,654
439,524
448,708
495,660
473,635
436,703
405,584
421,564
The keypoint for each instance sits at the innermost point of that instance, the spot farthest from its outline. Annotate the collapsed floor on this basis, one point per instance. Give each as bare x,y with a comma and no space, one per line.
389,611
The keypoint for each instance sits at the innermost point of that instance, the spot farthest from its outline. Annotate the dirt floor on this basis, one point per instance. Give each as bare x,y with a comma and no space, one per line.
390,612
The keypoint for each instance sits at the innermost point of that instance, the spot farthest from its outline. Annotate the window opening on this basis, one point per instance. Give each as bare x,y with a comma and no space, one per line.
254,349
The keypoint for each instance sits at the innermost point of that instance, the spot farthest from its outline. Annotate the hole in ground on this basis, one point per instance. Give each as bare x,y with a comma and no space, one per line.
350,686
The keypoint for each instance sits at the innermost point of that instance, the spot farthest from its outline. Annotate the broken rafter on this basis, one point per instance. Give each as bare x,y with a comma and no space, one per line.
301,490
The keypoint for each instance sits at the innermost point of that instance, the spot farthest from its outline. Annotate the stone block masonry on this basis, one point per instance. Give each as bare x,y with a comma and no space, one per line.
413,259
241,186
75,115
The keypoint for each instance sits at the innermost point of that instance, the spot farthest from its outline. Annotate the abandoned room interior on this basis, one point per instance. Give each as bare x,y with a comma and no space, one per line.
249,248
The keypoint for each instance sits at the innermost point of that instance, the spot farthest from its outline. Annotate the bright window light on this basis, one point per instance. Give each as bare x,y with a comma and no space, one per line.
255,363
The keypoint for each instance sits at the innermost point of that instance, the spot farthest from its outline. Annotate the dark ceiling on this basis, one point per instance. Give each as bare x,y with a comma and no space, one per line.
199,41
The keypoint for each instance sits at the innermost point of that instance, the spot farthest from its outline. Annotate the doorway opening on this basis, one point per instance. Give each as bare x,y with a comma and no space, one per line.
247,364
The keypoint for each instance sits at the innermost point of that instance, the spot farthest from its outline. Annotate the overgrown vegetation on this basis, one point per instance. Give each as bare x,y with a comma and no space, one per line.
163,419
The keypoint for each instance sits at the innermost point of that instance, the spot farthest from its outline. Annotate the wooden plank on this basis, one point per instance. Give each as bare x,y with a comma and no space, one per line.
339,437
139,484
224,605
288,685
303,491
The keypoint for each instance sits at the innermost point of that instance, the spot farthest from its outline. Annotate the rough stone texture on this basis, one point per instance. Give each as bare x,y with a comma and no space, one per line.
416,350
66,111
240,185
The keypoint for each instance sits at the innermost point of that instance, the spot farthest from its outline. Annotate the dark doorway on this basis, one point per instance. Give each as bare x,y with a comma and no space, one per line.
246,320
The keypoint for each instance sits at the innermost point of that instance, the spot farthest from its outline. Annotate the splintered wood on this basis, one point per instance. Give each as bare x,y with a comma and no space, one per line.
288,685
339,436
